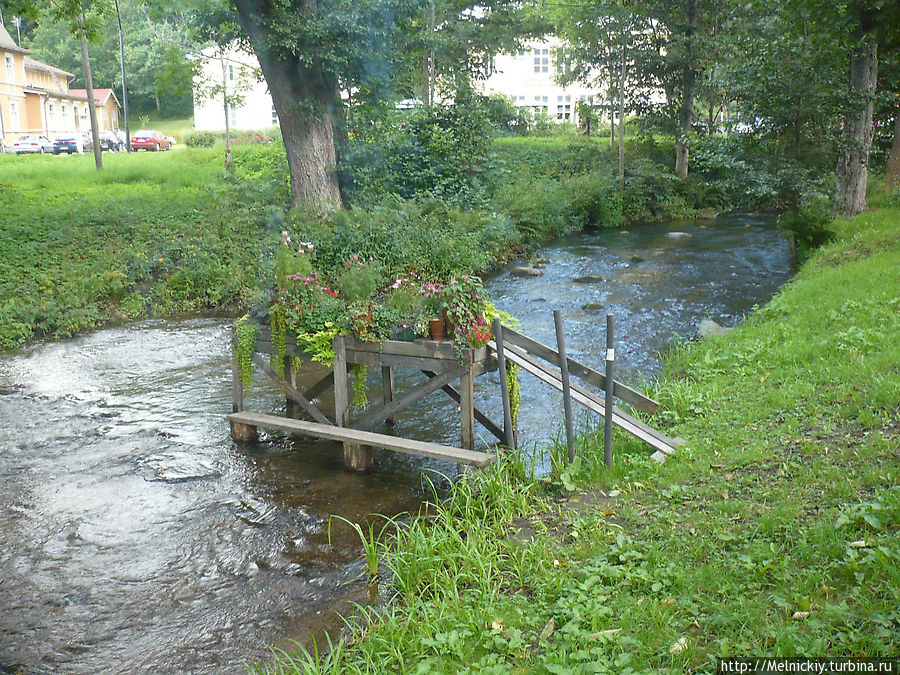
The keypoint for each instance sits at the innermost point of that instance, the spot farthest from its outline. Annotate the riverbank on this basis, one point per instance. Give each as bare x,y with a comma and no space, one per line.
774,532
155,235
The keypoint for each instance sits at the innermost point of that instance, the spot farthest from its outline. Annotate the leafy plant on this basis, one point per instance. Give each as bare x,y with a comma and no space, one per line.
360,399
246,334
320,344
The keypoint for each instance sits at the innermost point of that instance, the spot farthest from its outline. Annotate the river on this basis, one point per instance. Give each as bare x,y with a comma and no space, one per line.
136,537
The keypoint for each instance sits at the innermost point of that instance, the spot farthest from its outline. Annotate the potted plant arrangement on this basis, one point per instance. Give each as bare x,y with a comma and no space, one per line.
433,305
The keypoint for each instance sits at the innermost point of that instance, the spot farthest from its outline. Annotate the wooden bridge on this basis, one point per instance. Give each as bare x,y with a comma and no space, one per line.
442,367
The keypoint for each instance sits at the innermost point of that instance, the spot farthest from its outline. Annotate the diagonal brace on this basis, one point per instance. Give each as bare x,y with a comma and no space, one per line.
291,392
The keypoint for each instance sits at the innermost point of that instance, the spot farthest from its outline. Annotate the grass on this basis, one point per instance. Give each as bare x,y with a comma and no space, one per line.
150,234
775,531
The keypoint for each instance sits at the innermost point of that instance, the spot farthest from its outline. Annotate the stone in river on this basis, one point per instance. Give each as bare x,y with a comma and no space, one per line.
678,235
589,279
709,327
593,307
526,272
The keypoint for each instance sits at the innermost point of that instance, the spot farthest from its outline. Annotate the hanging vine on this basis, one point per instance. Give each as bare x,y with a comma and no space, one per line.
360,372
515,394
246,346
278,326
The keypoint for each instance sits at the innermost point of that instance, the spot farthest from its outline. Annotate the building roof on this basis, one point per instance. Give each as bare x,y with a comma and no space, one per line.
33,64
101,96
7,43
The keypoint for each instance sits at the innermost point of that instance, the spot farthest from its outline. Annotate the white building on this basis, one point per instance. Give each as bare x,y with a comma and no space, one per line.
528,79
235,74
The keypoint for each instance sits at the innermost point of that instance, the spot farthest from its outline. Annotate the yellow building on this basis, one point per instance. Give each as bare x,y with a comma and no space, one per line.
35,98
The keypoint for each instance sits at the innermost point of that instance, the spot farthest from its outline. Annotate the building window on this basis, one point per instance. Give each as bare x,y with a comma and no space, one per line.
541,60
540,104
10,69
14,115
232,112
274,116
230,73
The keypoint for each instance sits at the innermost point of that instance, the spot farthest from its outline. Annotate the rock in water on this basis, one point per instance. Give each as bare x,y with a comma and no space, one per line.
709,327
593,307
678,235
589,279
526,272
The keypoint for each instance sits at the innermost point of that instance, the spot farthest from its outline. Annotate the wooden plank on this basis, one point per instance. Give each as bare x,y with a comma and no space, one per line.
635,427
480,416
264,345
368,438
314,412
508,433
396,360
589,375
426,349
387,389
373,417
320,387
564,380
467,404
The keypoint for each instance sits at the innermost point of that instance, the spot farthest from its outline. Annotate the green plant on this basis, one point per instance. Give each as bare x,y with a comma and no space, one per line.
370,541
466,304
245,346
360,372
278,330
358,281
515,393
292,265
200,139
320,344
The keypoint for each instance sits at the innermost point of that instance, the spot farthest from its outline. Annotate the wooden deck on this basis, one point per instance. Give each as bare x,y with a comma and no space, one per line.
367,438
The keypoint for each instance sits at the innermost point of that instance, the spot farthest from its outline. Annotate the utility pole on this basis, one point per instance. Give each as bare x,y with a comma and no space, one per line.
124,85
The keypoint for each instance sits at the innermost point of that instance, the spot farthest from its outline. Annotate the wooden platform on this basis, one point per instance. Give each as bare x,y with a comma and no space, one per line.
367,438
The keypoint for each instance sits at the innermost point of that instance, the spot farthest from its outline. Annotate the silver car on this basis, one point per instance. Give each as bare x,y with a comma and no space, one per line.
33,143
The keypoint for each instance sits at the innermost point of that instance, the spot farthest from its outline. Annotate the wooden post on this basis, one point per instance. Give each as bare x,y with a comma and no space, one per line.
564,373
245,433
610,362
467,402
290,377
356,457
504,389
387,387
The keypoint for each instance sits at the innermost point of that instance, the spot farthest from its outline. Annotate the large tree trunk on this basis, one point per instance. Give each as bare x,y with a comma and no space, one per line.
892,170
858,131
303,95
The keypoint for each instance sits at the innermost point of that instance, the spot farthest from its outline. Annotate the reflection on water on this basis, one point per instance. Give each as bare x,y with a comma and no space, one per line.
136,537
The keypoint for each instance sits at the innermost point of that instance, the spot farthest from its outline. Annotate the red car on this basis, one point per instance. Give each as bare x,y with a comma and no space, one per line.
147,139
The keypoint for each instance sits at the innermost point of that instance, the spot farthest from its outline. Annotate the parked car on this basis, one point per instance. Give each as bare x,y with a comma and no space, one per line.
68,143
33,143
148,139
108,141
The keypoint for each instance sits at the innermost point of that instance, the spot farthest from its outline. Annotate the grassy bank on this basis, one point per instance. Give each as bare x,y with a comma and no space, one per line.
774,532
152,234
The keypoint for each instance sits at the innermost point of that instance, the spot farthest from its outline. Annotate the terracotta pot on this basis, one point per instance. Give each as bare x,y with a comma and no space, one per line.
436,328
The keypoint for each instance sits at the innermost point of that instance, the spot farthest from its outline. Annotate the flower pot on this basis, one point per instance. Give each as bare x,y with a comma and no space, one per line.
436,328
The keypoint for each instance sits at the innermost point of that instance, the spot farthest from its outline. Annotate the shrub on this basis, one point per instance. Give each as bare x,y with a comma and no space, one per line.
200,139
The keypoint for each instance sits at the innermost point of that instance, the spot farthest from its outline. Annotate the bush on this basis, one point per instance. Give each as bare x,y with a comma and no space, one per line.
200,139
435,152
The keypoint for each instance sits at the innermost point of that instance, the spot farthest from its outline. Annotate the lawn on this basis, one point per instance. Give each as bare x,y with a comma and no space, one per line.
149,234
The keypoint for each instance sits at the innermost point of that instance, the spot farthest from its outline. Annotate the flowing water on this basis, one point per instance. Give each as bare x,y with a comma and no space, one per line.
135,537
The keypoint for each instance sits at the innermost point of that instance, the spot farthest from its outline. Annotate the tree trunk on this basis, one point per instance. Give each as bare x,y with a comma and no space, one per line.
858,131
622,122
92,104
686,109
226,111
892,170
303,95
